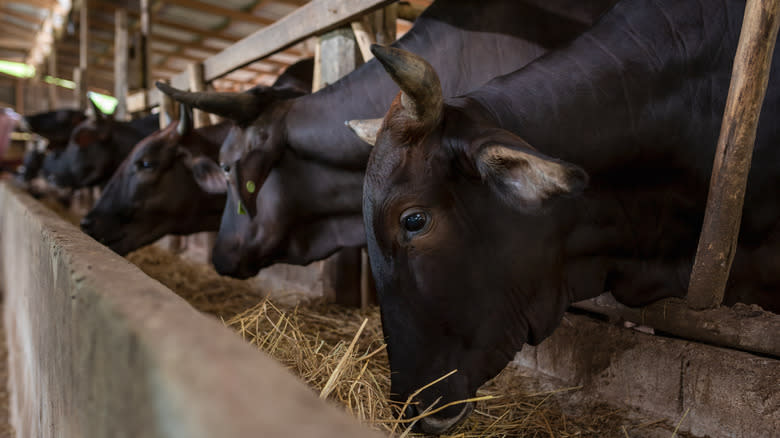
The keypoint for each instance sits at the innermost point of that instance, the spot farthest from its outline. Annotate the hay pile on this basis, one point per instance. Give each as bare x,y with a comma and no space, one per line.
332,350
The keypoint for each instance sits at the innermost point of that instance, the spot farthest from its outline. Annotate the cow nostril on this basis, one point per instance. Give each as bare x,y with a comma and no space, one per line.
410,412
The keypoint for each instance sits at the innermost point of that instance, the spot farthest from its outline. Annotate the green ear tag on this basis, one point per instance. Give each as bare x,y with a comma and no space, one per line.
250,186
241,208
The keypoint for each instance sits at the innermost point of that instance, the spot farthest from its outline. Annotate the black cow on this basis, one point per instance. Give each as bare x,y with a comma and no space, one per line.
488,214
154,191
56,127
167,185
97,146
304,166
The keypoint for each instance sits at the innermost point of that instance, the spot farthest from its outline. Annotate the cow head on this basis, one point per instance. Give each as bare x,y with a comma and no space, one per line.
254,231
166,185
461,235
91,154
55,126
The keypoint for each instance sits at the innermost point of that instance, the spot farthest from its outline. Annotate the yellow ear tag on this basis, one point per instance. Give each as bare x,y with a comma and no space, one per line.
250,186
241,208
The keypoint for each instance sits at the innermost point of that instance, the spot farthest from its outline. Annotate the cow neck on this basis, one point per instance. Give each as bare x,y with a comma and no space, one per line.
453,37
629,84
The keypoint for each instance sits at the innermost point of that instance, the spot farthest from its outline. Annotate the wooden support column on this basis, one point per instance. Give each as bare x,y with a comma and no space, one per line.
200,119
144,46
81,84
121,63
19,96
52,70
168,107
336,55
749,77
376,28
197,83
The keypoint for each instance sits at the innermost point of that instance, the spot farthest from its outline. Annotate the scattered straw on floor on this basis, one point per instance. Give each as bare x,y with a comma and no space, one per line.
341,354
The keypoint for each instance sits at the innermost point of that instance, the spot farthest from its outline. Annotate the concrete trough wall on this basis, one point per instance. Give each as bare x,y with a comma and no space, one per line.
725,393
98,349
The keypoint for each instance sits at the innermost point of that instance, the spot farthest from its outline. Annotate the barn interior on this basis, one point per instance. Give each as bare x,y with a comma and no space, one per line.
157,343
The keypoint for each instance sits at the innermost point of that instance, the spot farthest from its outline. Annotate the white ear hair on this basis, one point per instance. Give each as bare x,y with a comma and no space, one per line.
525,179
366,129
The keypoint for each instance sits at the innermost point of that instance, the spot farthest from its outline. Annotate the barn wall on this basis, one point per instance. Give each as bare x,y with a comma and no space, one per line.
726,393
98,349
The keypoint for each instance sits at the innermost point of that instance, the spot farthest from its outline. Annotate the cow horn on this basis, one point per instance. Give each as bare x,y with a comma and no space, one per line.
238,107
95,109
366,129
185,120
421,90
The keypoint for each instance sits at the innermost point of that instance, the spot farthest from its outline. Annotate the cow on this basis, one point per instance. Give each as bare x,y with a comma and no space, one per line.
297,171
56,127
587,171
97,146
156,191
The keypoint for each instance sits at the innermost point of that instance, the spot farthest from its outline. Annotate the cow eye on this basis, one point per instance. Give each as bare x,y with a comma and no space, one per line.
146,164
414,221
225,167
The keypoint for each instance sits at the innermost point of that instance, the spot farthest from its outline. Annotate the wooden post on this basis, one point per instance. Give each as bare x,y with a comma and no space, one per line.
749,77
336,55
121,64
81,84
200,119
145,49
19,96
375,28
174,244
52,70
195,73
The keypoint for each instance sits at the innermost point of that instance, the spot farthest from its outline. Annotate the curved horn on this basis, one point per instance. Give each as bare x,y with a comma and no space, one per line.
239,107
421,90
185,120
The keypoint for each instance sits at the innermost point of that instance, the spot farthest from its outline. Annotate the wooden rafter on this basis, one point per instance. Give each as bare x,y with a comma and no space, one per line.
220,11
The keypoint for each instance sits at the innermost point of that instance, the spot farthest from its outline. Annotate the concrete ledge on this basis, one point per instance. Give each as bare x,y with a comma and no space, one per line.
729,393
98,349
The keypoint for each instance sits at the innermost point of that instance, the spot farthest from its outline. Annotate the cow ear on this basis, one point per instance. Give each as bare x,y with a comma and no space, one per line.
525,179
366,129
207,174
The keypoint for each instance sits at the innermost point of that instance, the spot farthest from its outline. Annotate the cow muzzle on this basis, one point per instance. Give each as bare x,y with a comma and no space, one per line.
437,424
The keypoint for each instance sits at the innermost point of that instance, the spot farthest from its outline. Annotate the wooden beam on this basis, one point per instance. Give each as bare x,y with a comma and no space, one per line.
312,19
32,19
723,215
741,327
15,43
121,64
52,71
220,11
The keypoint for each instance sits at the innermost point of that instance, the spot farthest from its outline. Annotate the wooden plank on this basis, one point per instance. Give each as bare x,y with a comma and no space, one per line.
749,77
220,11
121,64
742,327
376,28
312,19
